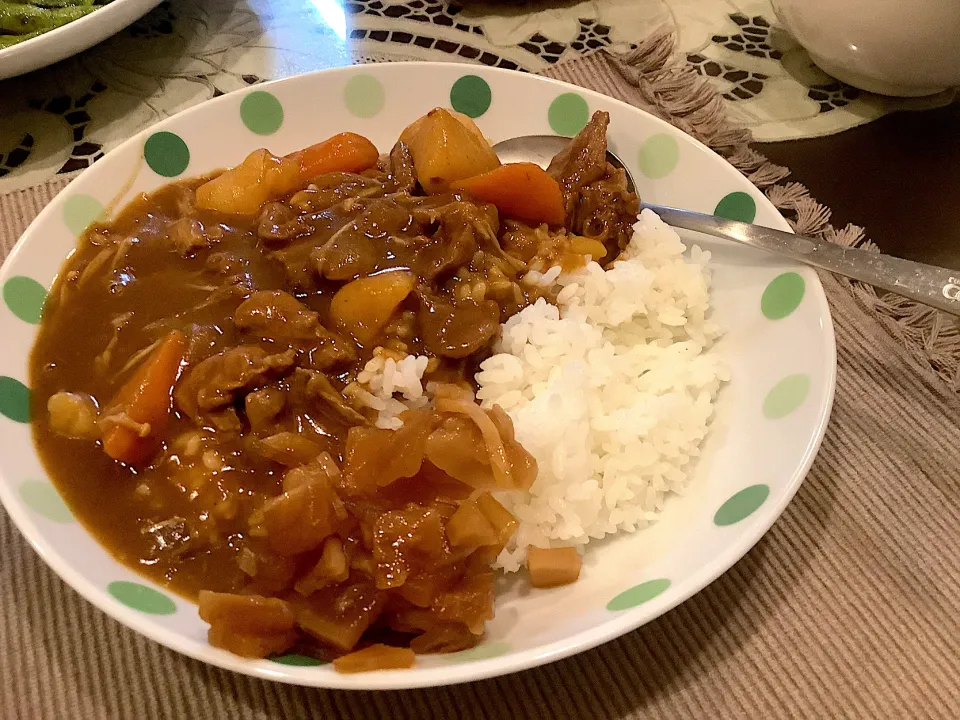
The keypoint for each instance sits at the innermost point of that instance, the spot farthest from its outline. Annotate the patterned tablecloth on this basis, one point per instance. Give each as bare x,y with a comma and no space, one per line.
64,117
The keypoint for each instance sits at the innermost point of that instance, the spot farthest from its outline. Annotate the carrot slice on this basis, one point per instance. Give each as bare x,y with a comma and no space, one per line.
145,399
346,152
519,190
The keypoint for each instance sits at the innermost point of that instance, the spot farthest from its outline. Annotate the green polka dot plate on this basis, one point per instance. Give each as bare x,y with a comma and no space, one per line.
769,421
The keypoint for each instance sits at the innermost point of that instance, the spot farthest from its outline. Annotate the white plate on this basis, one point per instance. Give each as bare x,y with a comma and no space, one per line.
74,37
770,418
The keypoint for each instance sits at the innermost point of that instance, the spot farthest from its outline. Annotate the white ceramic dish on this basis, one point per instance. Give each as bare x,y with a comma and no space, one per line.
883,46
770,418
72,38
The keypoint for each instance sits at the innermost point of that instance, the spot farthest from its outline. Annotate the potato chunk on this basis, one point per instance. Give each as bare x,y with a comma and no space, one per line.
241,190
364,306
445,149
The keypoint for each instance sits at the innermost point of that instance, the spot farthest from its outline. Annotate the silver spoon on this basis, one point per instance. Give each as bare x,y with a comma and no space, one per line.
928,284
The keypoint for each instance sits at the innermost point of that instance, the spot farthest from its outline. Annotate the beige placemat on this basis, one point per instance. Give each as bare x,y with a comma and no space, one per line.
848,607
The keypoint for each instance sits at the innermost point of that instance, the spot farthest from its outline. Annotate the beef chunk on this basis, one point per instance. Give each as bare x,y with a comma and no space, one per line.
595,194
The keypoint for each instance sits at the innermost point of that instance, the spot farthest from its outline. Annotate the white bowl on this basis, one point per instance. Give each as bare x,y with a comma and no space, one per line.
72,38
770,418
883,46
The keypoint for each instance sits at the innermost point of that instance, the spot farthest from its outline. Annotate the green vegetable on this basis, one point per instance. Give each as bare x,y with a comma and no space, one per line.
8,40
53,3
25,19
22,19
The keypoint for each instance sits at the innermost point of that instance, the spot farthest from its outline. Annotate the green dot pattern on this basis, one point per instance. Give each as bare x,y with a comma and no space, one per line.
298,660
166,154
658,156
737,206
24,297
782,296
261,112
142,598
364,96
480,652
14,400
568,114
79,211
786,396
471,95
741,505
43,499
638,594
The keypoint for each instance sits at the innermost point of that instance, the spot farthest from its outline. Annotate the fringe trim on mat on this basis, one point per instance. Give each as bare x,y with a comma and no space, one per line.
686,100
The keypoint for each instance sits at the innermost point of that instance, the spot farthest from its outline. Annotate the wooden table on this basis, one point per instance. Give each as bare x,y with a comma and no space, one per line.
898,176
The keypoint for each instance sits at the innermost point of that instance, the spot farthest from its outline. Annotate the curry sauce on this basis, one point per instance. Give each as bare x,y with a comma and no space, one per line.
196,383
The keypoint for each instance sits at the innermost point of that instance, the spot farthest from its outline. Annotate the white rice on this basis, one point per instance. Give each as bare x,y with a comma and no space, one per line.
611,392
383,378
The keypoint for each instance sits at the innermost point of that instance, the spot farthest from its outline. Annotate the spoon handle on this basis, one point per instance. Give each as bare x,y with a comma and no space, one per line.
928,284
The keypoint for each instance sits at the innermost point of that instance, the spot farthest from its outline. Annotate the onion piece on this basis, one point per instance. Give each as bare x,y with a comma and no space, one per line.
491,437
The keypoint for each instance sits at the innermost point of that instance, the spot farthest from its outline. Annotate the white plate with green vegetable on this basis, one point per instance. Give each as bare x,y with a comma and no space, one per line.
37,33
